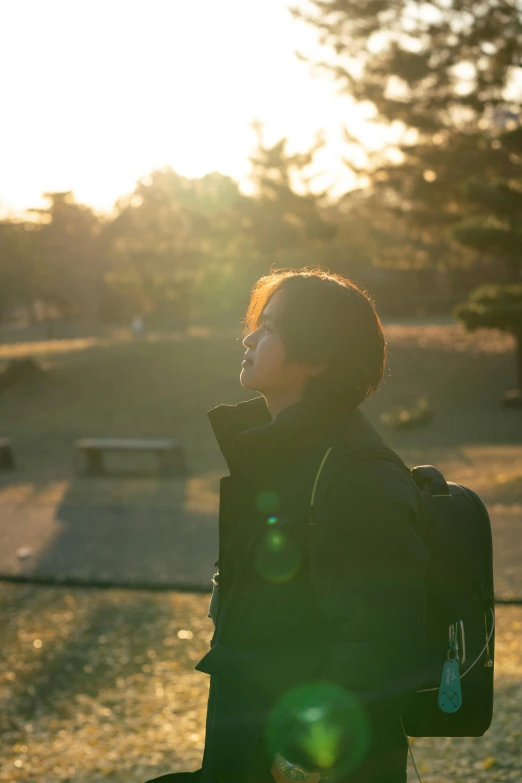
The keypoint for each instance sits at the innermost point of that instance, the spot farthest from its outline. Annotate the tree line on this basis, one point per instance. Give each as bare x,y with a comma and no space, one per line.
433,215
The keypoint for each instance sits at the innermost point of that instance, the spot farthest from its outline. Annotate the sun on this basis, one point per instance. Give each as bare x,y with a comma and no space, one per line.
99,94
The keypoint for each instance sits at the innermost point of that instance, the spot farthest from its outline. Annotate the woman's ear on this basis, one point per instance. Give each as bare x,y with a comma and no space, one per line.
316,370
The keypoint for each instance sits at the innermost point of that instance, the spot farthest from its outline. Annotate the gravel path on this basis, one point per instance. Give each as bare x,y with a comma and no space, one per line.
99,685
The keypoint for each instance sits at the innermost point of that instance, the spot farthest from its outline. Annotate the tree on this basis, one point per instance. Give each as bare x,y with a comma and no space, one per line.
494,226
498,307
17,265
432,65
70,260
443,71
183,248
291,222
496,230
167,235
285,217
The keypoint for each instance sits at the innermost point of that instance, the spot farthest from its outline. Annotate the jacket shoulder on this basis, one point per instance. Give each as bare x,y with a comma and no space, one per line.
376,484
372,471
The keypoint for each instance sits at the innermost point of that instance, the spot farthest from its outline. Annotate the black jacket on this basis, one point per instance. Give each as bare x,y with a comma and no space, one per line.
340,605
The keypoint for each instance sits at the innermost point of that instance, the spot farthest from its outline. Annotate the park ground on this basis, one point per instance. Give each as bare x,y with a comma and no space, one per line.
99,684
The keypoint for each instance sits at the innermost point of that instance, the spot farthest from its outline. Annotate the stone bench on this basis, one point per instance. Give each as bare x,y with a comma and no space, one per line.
169,453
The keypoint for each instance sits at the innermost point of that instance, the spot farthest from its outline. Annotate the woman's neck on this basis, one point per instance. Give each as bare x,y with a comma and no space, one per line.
276,404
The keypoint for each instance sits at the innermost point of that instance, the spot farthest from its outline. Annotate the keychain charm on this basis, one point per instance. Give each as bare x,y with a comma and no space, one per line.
450,693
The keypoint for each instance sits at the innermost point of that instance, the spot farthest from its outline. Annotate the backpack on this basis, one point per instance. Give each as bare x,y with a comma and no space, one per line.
460,605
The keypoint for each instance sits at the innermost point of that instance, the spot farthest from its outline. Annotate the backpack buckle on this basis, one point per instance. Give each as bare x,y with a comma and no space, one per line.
483,596
429,478
455,648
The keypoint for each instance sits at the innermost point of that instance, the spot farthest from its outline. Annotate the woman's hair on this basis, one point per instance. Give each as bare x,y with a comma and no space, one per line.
325,319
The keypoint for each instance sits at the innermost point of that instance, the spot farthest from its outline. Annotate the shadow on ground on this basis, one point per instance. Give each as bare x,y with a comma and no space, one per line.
161,532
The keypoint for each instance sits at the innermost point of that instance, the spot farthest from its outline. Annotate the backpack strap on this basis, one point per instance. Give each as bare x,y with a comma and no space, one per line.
312,519
358,454
362,454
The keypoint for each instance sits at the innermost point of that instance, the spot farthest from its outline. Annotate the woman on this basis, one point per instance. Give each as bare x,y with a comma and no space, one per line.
320,638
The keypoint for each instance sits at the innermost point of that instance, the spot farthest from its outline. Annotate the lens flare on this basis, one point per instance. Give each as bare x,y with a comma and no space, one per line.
277,557
268,501
324,721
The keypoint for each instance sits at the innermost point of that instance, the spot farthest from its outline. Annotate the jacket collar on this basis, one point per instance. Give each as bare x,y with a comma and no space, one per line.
228,421
251,440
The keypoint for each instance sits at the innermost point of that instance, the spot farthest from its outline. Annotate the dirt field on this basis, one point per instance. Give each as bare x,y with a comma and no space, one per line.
100,685
162,386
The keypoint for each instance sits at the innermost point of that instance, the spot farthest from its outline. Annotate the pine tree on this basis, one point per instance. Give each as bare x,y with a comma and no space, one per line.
286,216
443,71
496,230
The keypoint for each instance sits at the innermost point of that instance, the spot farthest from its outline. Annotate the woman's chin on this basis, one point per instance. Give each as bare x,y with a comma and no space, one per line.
246,379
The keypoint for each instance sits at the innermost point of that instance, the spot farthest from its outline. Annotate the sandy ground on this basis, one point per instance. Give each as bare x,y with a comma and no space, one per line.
100,684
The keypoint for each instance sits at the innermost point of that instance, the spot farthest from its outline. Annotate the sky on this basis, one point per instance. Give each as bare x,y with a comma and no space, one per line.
98,93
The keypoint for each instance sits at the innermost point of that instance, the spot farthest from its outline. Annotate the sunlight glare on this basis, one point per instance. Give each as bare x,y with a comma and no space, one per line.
99,94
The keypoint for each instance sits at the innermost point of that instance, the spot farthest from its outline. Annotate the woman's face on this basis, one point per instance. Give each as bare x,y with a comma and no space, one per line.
264,368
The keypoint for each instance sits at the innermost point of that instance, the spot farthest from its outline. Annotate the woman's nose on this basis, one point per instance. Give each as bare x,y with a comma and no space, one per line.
249,341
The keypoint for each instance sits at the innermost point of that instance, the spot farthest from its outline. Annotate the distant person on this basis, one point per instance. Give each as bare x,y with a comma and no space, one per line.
138,326
320,629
